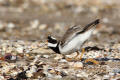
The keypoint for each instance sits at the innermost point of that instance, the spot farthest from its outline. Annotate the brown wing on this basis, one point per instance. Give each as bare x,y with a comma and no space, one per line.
90,26
70,33
76,30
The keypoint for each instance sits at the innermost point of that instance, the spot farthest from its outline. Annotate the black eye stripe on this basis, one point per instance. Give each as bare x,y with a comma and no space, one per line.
51,40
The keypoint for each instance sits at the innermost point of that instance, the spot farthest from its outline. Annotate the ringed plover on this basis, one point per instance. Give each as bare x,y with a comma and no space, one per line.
73,39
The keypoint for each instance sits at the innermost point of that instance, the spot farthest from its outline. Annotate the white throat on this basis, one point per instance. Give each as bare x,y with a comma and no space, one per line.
52,45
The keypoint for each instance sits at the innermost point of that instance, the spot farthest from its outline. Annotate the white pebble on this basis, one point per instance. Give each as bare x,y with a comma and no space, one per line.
105,20
42,26
11,25
29,74
63,60
45,56
82,74
34,24
106,76
58,56
78,65
2,78
20,49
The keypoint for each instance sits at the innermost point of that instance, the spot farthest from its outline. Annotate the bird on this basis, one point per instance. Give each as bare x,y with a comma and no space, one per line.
73,39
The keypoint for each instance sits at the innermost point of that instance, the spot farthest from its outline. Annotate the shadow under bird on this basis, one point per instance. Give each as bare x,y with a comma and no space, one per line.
73,39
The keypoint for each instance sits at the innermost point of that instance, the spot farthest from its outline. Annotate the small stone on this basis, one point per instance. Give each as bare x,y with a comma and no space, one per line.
34,24
63,74
71,63
78,65
106,77
29,74
58,76
52,71
20,49
63,60
11,25
79,9
82,74
33,69
57,26
94,9
58,56
14,73
2,78
45,56
105,20
42,26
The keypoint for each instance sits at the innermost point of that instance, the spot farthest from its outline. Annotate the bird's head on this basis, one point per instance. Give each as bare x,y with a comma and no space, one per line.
53,44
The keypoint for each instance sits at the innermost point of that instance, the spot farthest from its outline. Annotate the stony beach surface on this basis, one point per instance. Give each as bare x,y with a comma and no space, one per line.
25,25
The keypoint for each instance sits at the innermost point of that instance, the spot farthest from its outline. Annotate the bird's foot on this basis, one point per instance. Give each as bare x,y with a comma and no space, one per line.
69,59
91,60
76,58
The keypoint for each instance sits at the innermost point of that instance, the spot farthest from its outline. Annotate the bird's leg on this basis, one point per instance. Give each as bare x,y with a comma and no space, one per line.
75,58
91,60
83,51
76,55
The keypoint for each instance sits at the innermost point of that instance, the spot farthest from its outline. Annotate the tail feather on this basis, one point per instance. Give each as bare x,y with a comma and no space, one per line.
91,24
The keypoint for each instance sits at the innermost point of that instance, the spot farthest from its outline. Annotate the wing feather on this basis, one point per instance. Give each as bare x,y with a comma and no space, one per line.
76,30
70,34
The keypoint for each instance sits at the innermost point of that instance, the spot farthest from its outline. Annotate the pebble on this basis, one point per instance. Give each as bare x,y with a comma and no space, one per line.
11,25
63,60
58,76
82,74
2,78
46,56
94,9
105,20
29,74
58,56
106,77
76,65
19,49
34,24
1,25
42,26
52,71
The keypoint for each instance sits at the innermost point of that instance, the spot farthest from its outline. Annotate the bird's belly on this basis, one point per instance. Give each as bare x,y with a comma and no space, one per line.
76,43
72,46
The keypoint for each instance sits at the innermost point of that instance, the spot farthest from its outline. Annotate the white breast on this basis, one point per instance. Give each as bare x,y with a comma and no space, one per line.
76,43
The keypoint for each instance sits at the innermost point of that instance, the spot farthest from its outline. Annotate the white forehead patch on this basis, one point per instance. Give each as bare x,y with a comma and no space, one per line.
53,37
52,45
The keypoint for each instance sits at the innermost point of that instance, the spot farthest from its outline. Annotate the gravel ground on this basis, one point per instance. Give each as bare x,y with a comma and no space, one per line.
25,25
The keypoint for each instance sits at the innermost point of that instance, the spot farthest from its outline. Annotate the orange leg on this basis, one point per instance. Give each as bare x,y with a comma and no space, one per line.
75,58
91,60
83,51
76,55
